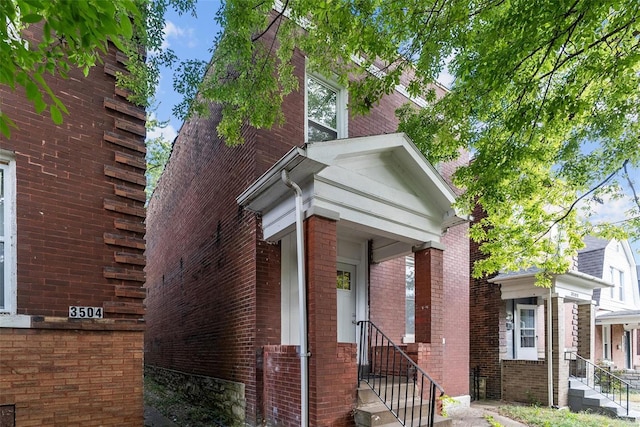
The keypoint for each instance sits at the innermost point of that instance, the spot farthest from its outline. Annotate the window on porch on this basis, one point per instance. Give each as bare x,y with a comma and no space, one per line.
410,300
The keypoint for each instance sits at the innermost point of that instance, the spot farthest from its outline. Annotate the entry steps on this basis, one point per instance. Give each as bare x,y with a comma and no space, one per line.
585,398
372,412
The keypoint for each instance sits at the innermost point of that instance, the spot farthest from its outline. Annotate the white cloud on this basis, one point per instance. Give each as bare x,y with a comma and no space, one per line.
609,209
169,133
170,31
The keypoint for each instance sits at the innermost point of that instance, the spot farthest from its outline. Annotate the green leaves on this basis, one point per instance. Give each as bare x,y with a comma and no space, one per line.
545,98
74,34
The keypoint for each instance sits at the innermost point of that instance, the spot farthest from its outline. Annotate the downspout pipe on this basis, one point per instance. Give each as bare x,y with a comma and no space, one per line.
302,302
550,348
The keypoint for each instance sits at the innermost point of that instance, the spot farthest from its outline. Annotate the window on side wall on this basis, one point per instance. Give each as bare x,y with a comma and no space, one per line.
326,110
617,278
7,234
410,300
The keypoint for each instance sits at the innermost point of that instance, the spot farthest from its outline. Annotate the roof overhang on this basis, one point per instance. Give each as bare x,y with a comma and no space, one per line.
630,319
572,285
380,186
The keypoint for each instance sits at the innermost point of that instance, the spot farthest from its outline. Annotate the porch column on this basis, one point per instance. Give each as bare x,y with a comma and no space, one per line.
587,330
331,390
560,365
429,329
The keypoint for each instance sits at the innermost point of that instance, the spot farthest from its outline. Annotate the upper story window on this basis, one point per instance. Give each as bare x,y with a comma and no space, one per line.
617,278
7,235
326,110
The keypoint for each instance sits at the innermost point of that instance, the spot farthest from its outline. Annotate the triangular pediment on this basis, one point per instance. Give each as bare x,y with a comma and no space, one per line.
381,186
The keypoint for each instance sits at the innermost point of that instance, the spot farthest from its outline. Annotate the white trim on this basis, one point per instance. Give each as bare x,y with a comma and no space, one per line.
606,333
21,321
342,100
526,353
8,166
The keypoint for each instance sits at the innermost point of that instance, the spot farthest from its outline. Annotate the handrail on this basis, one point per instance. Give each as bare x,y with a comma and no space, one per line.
395,378
594,376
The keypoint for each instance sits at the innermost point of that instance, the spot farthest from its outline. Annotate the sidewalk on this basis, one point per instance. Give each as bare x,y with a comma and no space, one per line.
474,416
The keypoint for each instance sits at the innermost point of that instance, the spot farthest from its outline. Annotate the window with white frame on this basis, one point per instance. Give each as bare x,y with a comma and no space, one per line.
410,299
326,110
606,342
617,278
7,234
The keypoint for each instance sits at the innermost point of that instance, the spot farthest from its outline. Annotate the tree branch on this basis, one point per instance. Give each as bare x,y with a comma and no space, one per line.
280,14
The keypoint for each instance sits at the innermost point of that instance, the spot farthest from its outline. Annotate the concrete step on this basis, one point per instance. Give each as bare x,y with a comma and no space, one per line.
377,414
437,422
389,391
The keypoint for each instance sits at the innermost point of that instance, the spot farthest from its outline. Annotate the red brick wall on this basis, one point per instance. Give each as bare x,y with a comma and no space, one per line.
534,390
72,378
61,193
456,306
387,297
487,325
332,366
281,385
70,250
213,284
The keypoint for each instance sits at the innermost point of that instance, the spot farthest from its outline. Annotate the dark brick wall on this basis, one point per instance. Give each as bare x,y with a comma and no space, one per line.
61,189
456,306
214,285
282,386
387,297
486,309
71,251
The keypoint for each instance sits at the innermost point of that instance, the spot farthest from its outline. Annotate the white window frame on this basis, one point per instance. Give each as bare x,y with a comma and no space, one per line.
342,115
606,342
409,336
8,166
526,353
617,277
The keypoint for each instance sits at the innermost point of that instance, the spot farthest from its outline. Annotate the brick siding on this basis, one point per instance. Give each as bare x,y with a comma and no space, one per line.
80,241
72,378
487,331
213,303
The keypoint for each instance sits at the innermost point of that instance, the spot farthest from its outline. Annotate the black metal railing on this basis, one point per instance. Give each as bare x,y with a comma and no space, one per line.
406,390
600,379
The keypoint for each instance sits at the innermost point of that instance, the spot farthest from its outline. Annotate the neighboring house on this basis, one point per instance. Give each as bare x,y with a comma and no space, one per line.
618,308
596,302
222,306
71,256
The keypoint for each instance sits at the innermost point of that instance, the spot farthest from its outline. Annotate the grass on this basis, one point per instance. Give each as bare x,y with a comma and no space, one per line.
175,407
546,417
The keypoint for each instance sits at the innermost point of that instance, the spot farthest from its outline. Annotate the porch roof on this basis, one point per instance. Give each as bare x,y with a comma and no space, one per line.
629,318
572,285
380,187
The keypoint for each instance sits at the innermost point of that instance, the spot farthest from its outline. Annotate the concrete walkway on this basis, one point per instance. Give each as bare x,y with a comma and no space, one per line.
474,416
477,414
153,418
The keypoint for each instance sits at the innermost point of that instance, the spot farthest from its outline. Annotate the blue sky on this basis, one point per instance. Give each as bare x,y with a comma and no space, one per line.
192,38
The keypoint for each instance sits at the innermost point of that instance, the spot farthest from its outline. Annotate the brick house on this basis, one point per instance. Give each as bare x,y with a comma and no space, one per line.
594,313
71,250
223,317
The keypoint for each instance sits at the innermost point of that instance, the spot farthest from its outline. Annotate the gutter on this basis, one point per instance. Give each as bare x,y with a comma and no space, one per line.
302,303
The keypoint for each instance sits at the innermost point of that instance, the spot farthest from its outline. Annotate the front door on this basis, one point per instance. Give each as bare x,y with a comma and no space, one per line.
627,349
346,302
526,348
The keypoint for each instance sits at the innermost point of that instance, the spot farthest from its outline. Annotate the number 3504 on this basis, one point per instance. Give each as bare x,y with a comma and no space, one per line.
76,312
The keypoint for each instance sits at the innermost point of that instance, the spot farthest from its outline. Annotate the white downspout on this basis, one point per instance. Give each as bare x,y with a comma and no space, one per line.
550,348
302,303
